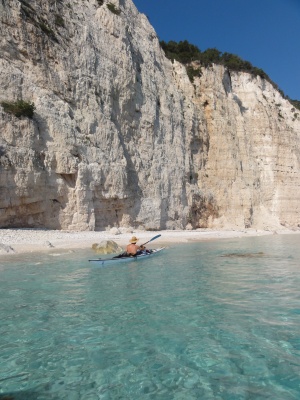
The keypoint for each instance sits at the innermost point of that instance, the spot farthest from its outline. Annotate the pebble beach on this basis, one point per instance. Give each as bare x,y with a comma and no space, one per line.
20,241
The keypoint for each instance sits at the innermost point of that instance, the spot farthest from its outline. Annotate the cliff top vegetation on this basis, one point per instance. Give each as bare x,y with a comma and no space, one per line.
186,53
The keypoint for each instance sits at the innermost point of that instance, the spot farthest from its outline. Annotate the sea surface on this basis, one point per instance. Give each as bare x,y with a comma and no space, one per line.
212,320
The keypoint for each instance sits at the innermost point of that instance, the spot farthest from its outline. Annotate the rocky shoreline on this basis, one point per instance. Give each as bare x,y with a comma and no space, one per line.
18,241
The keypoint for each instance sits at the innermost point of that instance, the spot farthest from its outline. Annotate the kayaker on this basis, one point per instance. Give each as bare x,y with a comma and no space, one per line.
132,248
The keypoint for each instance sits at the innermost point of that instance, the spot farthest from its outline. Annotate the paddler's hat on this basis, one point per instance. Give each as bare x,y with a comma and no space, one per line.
133,239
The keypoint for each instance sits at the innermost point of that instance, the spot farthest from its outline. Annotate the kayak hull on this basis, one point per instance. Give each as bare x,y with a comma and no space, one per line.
116,260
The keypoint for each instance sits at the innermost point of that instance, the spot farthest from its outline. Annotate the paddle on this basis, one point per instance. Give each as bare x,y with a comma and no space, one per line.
151,240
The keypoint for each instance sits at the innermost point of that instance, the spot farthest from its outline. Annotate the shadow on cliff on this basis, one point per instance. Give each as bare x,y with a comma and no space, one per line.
42,205
26,174
2,151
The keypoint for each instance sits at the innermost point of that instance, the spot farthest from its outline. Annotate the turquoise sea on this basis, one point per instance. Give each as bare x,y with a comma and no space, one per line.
211,320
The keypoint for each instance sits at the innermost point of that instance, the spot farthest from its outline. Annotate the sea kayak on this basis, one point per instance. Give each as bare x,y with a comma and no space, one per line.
117,259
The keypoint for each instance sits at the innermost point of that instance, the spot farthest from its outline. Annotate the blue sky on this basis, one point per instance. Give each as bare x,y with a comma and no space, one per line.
264,32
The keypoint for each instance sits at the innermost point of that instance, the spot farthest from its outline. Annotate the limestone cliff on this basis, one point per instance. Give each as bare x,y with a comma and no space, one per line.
121,137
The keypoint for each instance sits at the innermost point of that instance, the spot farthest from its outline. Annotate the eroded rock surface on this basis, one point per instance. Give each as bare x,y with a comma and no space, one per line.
121,137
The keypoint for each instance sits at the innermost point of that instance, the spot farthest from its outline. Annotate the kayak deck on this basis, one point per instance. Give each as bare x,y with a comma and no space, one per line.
144,255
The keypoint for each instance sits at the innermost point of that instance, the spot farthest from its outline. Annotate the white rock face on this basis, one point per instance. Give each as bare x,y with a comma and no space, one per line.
252,167
120,136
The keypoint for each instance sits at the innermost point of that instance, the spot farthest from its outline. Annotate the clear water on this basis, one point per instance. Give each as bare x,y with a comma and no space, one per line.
212,320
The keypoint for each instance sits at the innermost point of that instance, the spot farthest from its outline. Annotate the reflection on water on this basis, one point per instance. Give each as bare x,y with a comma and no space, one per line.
214,320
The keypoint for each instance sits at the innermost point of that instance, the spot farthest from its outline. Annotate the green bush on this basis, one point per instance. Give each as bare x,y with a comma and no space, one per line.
193,72
209,57
19,108
113,8
59,21
186,52
183,52
45,28
296,103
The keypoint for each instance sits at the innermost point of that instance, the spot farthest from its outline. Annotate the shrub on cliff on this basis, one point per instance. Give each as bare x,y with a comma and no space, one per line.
185,53
19,108
192,72
113,8
59,21
296,103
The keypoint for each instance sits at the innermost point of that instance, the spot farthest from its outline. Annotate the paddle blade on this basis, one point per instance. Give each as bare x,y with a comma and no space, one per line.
155,237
